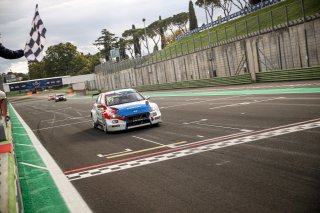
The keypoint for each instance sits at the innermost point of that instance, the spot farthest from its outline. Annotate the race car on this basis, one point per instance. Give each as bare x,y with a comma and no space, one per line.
124,109
60,97
50,97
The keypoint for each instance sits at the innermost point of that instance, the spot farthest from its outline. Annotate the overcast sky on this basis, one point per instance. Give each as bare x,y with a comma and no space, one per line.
78,21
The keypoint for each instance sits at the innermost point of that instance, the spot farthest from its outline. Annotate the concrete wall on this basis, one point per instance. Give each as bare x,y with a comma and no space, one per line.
294,47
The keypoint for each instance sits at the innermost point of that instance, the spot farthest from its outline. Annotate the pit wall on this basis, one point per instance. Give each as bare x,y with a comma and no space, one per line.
287,48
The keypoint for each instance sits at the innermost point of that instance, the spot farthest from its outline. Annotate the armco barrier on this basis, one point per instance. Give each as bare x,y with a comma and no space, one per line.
289,75
239,79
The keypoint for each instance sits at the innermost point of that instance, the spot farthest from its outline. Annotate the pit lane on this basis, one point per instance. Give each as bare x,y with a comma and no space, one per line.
285,167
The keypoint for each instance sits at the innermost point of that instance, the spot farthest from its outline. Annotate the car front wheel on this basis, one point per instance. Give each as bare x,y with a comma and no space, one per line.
94,124
105,128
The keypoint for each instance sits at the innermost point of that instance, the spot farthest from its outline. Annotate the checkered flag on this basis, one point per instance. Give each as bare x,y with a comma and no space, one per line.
35,44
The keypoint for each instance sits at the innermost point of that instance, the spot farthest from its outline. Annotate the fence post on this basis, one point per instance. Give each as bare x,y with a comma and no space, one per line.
201,41
175,49
246,27
271,17
235,28
287,18
165,54
194,46
181,47
258,17
170,52
303,11
187,47
225,32
217,38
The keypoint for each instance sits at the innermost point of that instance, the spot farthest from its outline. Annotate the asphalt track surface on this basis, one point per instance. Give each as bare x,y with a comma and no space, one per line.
212,153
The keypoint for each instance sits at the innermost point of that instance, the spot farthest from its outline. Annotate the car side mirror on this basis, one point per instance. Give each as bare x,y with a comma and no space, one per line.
147,97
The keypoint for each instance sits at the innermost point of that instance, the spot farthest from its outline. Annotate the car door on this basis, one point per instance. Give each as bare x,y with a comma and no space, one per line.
99,109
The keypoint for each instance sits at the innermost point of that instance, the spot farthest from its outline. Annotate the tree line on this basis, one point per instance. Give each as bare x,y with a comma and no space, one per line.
162,32
64,58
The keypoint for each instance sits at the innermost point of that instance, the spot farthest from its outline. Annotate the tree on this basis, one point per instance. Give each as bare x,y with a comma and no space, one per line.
122,48
37,70
226,6
162,35
156,33
193,22
134,35
169,23
240,4
209,6
180,20
253,2
63,59
105,41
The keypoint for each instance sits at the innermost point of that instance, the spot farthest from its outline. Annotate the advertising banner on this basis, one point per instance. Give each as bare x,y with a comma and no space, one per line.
36,84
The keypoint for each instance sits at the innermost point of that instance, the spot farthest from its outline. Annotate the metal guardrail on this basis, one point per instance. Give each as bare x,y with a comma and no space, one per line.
289,75
270,76
219,81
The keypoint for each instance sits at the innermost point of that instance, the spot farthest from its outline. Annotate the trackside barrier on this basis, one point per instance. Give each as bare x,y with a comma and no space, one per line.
268,76
289,75
221,81
38,190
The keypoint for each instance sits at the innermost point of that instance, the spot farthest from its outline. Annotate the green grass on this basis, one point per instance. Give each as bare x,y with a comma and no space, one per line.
265,18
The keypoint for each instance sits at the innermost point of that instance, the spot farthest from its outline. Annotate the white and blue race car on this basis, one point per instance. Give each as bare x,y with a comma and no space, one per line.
124,109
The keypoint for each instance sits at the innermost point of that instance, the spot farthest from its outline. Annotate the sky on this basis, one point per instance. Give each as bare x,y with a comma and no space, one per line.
79,21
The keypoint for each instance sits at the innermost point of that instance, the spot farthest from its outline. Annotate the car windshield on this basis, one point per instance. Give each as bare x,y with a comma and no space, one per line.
122,98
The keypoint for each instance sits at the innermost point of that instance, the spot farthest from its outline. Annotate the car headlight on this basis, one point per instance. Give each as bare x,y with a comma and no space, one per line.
152,109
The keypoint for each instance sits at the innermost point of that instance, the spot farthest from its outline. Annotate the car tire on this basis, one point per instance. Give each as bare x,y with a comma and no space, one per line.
105,128
94,124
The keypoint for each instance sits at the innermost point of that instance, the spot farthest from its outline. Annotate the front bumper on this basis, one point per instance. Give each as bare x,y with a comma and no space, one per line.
118,125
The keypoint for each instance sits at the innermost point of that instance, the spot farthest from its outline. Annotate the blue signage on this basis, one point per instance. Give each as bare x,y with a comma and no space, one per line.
35,84
244,11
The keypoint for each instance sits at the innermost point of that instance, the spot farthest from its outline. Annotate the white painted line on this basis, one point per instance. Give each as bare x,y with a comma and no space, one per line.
193,99
209,100
68,118
72,198
200,136
20,133
198,123
224,127
60,125
195,121
101,155
246,103
32,165
149,140
21,144
221,163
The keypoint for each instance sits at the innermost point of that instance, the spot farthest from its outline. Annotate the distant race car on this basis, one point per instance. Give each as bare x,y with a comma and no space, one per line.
50,97
124,109
60,97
